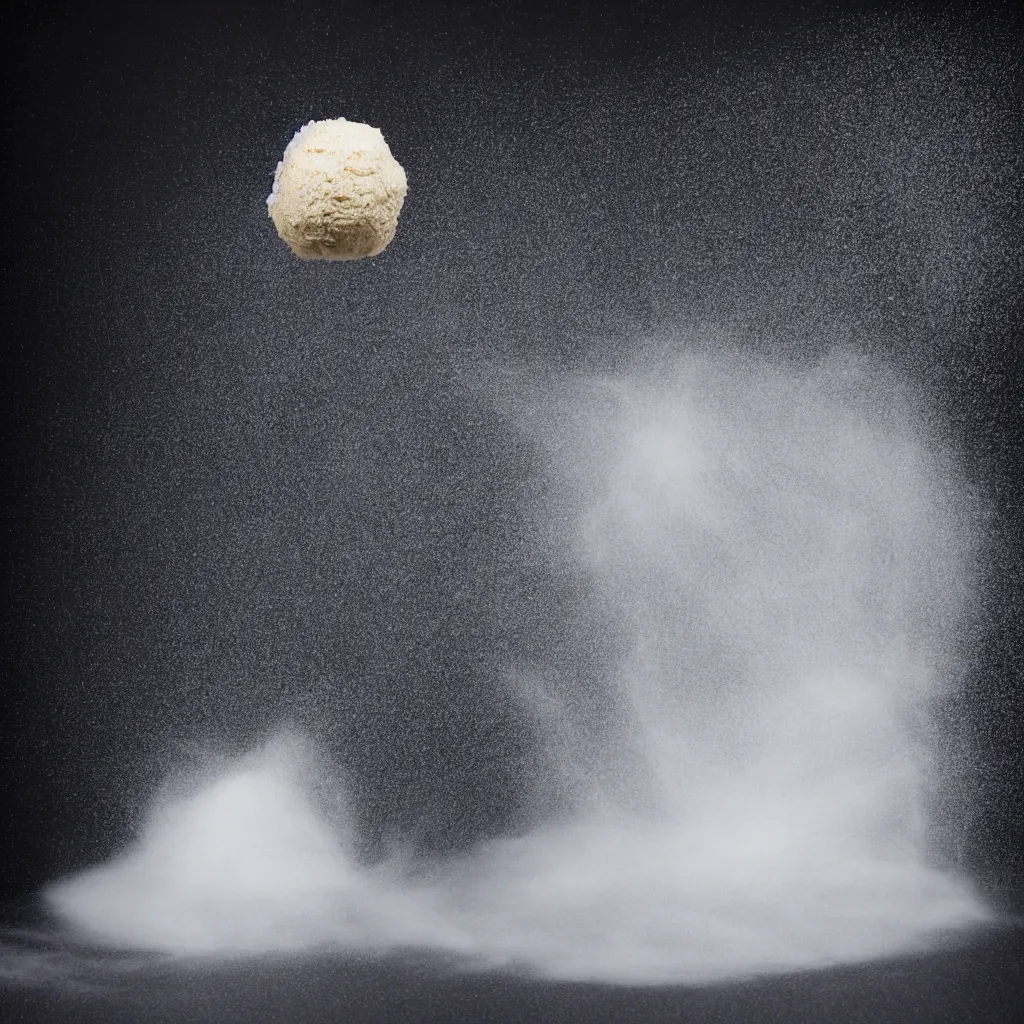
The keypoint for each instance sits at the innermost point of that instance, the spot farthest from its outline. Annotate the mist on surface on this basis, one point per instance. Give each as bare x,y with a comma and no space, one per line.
782,556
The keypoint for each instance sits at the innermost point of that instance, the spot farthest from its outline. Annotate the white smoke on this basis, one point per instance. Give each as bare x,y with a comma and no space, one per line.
783,555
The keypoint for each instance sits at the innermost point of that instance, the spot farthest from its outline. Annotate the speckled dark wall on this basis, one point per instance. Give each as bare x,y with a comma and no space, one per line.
247,489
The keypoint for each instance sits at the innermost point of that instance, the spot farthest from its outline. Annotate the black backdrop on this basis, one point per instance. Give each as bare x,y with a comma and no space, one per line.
242,489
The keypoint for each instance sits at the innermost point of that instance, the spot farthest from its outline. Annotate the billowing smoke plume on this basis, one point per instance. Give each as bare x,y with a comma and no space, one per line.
781,556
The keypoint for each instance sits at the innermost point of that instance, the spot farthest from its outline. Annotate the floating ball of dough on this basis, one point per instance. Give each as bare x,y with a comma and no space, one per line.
337,192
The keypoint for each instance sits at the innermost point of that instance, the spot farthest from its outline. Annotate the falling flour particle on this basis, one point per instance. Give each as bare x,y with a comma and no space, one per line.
337,191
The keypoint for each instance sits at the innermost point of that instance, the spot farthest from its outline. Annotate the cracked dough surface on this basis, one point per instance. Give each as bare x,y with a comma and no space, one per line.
337,192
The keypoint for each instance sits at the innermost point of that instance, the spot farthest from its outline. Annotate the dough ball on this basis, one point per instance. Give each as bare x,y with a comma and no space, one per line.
337,192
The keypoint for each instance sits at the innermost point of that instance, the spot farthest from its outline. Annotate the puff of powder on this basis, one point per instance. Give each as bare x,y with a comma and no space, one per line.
337,192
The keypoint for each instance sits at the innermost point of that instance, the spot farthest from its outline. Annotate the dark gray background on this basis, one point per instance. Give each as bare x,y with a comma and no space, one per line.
245,489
